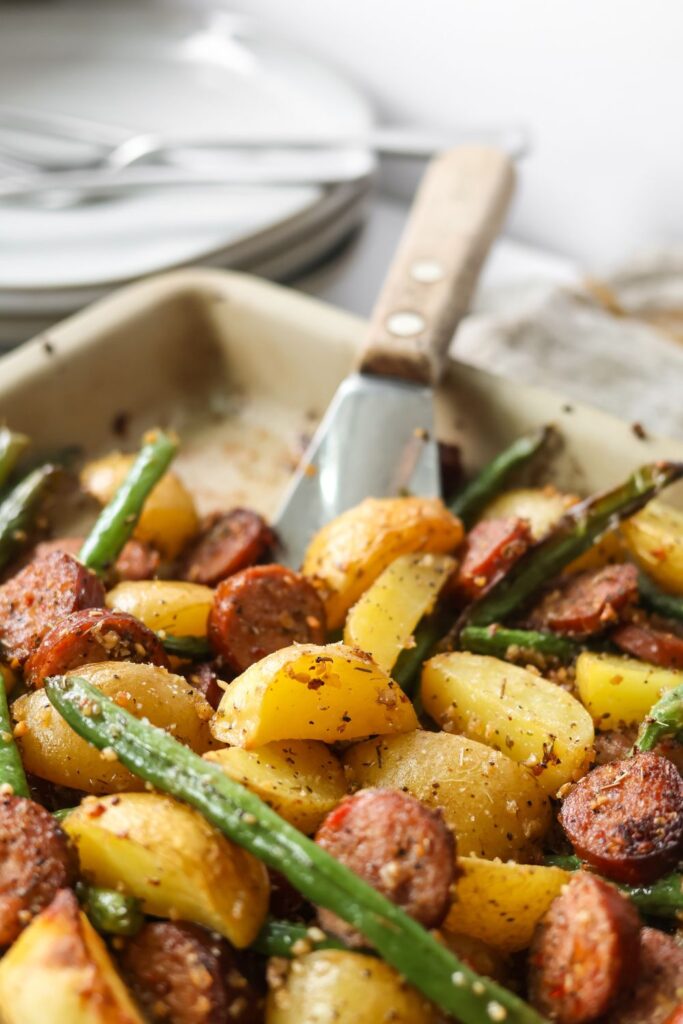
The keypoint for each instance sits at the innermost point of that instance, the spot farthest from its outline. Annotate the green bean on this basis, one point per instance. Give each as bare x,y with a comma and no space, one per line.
117,520
516,644
663,898
62,813
18,510
11,769
493,477
568,862
664,721
429,631
665,604
577,530
279,938
12,446
156,757
109,911
195,648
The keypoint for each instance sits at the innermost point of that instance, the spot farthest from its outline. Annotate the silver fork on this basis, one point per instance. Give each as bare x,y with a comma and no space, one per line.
114,148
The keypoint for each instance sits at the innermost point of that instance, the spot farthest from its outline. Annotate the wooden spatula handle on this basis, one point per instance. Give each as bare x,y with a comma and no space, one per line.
457,213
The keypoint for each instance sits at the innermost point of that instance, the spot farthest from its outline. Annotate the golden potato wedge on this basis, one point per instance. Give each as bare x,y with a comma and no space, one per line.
610,549
300,779
478,955
171,859
333,986
619,691
59,971
501,903
52,750
654,537
174,606
350,552
306,692
381,623
494,805
169,519
541,506
511,709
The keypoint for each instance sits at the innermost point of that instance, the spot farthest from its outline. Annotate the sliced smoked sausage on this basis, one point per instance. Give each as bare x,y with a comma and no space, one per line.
94,634
626,818
491,547
585,952
657,646
36,860
259,610
39,596
658,995
137,561
182,974
589,602
397,845
617,743
228,542
204,677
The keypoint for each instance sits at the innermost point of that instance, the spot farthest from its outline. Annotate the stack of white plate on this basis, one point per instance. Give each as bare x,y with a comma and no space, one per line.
182,72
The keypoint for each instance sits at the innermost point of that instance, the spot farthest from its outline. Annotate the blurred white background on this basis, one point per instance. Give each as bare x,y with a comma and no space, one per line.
600,85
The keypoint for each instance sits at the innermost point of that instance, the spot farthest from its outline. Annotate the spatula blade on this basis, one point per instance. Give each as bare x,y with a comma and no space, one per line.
376,439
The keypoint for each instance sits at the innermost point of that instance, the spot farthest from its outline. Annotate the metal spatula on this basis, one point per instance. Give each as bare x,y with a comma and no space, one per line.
377,437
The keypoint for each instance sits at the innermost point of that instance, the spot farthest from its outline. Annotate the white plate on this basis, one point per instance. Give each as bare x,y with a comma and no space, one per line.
168,69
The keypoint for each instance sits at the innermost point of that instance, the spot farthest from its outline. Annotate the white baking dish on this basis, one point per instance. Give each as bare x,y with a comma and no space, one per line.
243,369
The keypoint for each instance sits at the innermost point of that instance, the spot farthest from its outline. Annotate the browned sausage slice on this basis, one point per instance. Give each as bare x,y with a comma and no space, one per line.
585,952
228,542
617,743
259,610
94,634
658,997
137,561
588,602
204,677
397,845
39,596
36,861
626,818
182,974
491,547
654,645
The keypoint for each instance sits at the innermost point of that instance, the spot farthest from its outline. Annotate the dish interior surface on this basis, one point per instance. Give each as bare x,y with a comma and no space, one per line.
243,370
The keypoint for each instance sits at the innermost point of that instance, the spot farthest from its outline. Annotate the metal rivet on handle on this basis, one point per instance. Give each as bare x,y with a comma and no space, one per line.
426,271
405,325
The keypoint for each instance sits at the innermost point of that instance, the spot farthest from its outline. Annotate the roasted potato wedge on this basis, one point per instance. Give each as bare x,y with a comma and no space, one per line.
338,987
172,860
348,554
306,692
655,539
381,623
501,903
511,709
619,691
494,805
300,779
610,549
174,606
169,519
59,971
52,750
541,506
